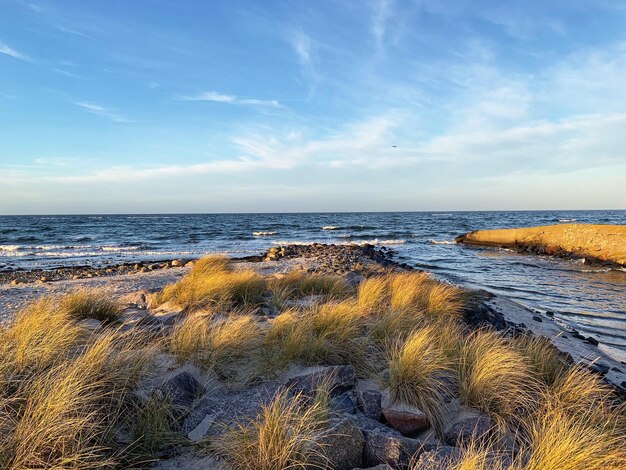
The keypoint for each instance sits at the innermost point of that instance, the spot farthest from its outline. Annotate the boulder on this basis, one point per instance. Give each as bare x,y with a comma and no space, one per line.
369,403
338,378
440,458
343,404
408,420
342,445
462,432
386,446
181,391
216,411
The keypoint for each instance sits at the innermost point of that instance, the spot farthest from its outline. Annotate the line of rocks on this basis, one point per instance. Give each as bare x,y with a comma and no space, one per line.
22,276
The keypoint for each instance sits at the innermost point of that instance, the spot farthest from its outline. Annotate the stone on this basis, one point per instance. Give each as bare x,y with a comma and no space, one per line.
592,340
342,404
216,411
440,458
369,403
342,445
461,433
340,379
537,318
599,368
181,391
386,446
408,420
176,263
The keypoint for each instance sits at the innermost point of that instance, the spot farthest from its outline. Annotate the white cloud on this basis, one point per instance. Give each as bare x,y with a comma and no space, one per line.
102,111
4,49
303,48
230,99
382,13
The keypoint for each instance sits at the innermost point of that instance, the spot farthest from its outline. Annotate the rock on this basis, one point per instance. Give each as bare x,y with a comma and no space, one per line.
216,411
384,445
406,419
342,445
181,391
340,379
369,402
537,318
343,404
592,340
440,458
599,368
461,433
176,263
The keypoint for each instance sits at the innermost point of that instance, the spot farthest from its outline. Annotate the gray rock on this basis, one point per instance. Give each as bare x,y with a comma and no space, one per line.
343,404
341,379
181,391
216,411
384,445
462,432
369,402
342,445
440,458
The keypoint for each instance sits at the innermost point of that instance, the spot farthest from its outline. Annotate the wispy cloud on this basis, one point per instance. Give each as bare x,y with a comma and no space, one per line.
102,111
303,48
382,13
230,99
5,49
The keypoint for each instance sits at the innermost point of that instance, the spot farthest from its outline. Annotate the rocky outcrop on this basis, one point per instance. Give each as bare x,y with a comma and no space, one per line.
595,243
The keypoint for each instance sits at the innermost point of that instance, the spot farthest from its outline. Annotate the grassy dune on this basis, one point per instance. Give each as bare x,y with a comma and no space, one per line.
65,390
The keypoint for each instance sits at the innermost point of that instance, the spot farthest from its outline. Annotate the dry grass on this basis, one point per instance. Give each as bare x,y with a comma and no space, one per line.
153,427
284,435
217,343
494,377
564,441
332,333
420,374
297,284
90,303
211,282
373,293
545,359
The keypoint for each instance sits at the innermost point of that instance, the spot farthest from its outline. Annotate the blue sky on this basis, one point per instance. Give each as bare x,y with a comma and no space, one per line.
227,106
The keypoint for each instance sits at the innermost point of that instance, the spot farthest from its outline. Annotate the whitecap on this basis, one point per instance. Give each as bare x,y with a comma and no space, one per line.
567,220
330,227
9,247
441,242
264,234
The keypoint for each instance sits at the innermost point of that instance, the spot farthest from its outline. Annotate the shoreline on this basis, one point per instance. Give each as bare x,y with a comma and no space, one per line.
353,262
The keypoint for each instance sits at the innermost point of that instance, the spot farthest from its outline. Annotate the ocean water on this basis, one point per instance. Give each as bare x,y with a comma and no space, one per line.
590,299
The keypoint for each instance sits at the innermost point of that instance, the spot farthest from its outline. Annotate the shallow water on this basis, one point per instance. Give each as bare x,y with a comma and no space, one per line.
591,299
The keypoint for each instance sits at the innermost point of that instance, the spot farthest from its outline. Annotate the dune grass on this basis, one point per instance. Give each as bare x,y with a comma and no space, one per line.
420,374
212,282
216,342
90,303
545,360
494,377
153,427
331,333
284,435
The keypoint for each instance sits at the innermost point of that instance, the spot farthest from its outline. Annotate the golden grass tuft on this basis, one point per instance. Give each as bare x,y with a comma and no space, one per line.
494,377
560,440
216,343
153,426
373,293
90,303
284,435
331,333
420,374
545,360
211,283
211,264
300,284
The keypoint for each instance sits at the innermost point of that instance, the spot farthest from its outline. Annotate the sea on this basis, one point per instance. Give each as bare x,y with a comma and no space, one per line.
589,298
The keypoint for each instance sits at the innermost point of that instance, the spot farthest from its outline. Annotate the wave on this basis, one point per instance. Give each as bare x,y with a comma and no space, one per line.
330,227
566,220
9,247
264,234
120,248
441,242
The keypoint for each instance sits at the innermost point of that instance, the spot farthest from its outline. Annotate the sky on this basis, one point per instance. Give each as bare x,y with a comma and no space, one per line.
161,106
